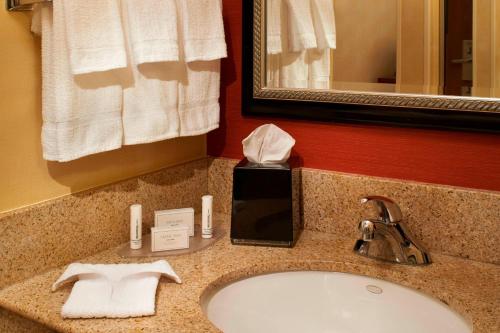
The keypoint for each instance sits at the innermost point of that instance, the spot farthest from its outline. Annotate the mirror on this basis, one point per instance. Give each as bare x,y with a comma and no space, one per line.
424,63
432,47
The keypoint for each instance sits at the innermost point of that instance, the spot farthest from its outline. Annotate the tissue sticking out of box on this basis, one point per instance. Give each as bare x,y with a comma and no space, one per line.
268,144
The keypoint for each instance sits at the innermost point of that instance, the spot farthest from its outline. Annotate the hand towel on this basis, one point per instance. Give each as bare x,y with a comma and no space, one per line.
273,26
202,29
202,45
95,35
150,97
273,68
287,69
150,103
112,291
199,98
319,70
81,115
324,23
152,26
294,72
301,35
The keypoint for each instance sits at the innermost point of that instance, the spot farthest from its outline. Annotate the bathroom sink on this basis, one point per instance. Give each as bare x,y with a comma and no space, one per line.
310,301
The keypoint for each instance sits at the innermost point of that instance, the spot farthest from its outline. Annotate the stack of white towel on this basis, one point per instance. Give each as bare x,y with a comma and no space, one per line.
300,37
113,290
127,72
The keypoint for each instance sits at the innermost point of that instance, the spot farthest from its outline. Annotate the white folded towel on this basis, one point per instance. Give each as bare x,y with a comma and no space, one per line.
199,98
81,115
95,35
202,29
152,26
301,35
273,26
113,291
324,23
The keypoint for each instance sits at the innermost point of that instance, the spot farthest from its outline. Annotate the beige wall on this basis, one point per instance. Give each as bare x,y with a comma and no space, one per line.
486,74
366,40
419,46
25,178
411,23
496,47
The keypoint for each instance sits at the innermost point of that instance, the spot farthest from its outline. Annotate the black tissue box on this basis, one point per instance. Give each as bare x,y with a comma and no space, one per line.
265,206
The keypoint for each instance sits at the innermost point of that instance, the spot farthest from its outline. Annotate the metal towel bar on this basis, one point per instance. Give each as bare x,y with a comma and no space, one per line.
22,5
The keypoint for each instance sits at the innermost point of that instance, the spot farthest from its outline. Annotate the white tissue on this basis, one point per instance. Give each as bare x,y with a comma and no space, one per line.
268,144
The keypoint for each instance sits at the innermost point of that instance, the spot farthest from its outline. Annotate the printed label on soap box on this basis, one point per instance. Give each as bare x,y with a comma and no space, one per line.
164,239
172,218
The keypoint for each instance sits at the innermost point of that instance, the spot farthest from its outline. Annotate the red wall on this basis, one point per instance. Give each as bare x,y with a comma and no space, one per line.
444,157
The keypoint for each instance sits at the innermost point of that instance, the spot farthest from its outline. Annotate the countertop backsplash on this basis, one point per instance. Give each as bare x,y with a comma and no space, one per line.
447,220
57,232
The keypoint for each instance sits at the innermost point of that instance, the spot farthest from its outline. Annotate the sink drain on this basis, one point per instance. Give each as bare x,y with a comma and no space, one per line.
374,289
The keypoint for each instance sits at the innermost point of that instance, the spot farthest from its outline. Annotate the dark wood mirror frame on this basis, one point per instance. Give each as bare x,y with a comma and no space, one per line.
422,111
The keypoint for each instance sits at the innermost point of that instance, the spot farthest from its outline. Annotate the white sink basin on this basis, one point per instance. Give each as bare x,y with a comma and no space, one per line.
327,302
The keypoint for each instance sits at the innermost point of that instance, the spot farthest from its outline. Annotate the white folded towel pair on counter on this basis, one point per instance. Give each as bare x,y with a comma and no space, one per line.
113,291
127,72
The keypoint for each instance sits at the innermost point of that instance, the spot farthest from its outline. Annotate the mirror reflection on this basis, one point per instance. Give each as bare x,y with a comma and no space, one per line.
431,47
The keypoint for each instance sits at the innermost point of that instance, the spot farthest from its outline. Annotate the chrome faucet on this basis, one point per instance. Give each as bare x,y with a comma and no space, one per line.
386,237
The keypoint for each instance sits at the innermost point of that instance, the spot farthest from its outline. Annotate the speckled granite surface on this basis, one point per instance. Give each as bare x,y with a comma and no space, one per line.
458,222
220,182
54,233
449,220
12,323
469,287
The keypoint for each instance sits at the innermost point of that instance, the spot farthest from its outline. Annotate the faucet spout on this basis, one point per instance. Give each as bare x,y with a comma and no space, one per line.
367,228
387,238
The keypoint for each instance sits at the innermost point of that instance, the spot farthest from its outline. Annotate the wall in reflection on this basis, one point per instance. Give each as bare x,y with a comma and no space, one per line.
366,59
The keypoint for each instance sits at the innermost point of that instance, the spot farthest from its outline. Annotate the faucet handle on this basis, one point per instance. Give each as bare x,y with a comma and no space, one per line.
388,210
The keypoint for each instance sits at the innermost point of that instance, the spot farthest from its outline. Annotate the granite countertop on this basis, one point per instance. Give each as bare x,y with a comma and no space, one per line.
471,288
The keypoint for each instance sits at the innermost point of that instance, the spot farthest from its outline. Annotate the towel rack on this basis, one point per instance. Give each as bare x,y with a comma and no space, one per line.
22,5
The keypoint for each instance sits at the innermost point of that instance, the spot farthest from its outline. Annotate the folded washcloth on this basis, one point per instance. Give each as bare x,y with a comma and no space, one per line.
324,23
301,35
82,114
113,291
152,28
95,35
202,29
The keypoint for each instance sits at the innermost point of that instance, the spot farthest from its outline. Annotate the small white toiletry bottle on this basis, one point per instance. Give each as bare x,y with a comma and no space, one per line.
135,227
206,216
